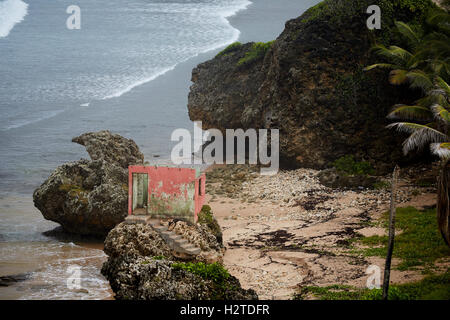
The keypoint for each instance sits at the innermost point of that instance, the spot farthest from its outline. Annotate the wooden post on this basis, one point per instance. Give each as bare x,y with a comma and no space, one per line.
387,267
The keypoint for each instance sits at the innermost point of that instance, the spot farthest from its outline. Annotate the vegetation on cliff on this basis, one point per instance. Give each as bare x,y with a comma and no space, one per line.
310,84
256,52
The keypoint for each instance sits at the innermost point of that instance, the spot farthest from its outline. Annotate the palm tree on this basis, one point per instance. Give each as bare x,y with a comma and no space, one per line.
424,65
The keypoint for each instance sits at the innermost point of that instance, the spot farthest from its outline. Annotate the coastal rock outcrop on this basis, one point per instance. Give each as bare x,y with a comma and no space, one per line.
90,197
142,266
310,84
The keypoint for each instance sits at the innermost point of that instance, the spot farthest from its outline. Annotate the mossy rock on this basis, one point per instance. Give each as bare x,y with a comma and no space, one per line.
206,217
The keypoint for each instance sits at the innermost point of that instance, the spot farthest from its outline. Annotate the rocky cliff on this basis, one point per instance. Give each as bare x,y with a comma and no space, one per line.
310,84
90,197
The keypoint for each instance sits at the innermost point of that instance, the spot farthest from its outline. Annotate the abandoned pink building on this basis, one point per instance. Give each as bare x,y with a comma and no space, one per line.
163,192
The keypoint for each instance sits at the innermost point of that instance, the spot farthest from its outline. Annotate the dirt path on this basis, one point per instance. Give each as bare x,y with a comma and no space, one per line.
288,230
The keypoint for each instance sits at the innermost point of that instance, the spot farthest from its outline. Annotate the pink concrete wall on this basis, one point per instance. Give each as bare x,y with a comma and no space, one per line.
169,182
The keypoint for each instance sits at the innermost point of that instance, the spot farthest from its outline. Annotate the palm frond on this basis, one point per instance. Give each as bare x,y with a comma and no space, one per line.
382,66
442,84
408,33
391,54
402,111
442,150
421,135
400,52
398,76
440,19
420,80
441,113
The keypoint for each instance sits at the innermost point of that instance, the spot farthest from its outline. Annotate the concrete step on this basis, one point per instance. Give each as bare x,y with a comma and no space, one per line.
175,241
192,250
135,219
181,241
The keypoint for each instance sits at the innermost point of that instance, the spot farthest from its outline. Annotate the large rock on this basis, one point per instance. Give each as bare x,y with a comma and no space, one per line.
90,197
111,148
311,85
142,266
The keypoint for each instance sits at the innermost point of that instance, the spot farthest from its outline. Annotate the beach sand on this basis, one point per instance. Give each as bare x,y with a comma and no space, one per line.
288,231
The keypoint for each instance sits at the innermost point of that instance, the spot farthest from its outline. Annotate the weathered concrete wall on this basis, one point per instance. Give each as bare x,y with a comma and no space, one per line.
172,192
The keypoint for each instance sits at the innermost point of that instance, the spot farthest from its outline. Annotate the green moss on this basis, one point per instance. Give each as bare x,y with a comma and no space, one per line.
230,49
348,165
257,52
433,287
419,243
74,191
214,271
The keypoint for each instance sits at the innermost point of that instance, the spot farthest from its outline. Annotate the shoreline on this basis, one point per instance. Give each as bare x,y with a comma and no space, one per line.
175,86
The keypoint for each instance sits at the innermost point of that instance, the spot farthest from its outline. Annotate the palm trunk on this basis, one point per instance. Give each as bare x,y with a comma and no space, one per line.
443,202
390,249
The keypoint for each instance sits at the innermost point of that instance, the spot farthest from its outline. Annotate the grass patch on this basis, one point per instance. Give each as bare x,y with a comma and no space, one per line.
230,49
257,52
433,287
419,244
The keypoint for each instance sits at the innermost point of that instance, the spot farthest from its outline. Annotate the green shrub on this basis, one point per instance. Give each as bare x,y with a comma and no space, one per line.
348,165
214,271
257,51
231,48
206,217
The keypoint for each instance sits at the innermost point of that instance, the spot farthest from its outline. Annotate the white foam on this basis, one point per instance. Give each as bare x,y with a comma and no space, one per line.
138,83
12,12
40,116
229,12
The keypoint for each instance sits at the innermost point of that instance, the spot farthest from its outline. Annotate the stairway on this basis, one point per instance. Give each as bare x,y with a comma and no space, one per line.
175,241
181,247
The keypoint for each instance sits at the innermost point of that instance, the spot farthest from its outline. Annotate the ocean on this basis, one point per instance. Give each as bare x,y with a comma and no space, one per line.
126,70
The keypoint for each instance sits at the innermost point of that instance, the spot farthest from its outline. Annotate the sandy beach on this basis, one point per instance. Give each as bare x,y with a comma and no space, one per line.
287,231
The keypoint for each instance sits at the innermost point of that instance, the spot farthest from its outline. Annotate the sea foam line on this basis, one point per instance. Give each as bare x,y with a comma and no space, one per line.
21,123
12,12
235,37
